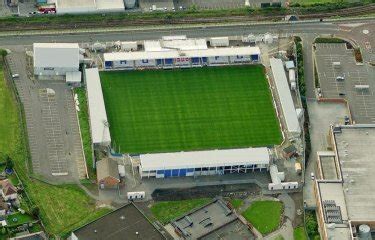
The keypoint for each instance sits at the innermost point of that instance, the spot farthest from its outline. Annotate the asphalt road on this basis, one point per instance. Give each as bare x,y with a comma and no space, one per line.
139,34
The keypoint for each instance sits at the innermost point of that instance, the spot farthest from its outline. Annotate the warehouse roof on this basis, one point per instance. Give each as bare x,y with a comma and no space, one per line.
112,5
127,222
357,167
210,158
56,55
212,52
98,117
287,105
204,220
75,5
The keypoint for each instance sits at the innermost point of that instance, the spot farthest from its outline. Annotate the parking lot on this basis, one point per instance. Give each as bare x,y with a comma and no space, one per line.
52,125
361,99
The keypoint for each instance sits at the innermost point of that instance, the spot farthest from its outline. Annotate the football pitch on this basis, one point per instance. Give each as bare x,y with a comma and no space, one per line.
190,109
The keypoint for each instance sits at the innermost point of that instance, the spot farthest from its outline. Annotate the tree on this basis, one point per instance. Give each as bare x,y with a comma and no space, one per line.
9,163
35,211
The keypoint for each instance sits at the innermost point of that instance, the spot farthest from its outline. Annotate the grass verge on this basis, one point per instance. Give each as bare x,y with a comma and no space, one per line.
83,117
190,109
61,208
236,203
167,210
329,40
265,216
299,234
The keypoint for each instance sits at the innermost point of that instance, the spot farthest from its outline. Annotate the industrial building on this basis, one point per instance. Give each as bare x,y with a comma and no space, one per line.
285,97
174,58
98,117
88,6
55,59
209,220
127,222
201,163
345,186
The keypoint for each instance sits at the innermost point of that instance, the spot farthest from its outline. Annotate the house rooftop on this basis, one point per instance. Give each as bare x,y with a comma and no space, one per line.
8,187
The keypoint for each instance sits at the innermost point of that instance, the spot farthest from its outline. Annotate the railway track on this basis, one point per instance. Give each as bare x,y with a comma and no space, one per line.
17,26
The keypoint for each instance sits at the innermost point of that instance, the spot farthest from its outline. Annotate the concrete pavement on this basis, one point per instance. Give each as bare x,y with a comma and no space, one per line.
322,115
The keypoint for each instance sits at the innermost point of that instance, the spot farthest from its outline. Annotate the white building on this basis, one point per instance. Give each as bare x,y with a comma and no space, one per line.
169,58
99,126
198,163
285,96
88,6
55,59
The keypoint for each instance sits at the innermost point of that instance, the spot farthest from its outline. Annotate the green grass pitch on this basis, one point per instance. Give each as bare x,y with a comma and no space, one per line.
190,109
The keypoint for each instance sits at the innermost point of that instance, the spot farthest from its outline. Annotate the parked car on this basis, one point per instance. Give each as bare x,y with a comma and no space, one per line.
312,176
340,78
347,120
16,75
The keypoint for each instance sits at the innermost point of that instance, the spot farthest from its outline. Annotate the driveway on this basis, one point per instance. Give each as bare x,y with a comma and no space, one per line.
322,115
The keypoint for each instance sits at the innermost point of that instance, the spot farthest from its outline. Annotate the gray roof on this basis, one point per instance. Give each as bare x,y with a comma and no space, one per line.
98,117
286,100
107,168
123,223
56,55
290,149
356,155
204,220
207,158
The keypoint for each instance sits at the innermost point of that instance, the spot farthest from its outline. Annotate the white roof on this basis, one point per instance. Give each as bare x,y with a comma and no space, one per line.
174,44
98,117
287,105
79,4
210,158
153,46
73,77
223,51
212,52
128,56
110,4
57,55
188,44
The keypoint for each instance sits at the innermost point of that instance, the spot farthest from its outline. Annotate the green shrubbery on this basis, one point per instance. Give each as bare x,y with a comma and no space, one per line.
311,225
302,90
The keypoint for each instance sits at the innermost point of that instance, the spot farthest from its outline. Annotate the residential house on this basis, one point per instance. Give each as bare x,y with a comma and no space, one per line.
8,191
